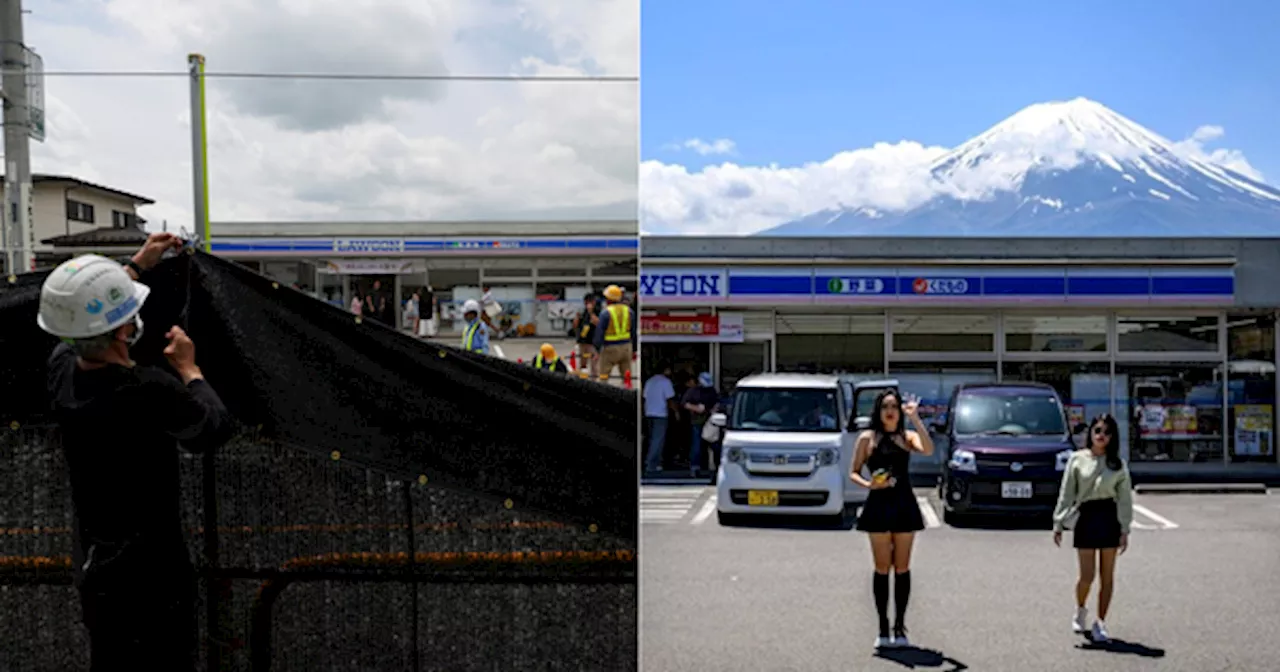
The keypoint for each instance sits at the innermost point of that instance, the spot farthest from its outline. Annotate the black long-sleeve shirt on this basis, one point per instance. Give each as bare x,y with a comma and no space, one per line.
121,428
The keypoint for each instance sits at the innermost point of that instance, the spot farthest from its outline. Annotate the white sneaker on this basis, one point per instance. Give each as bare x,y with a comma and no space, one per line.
1100,632
900,639
884,642
1078,623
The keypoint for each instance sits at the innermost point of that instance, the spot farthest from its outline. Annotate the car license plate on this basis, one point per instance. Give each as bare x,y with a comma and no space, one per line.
762,498
1015,490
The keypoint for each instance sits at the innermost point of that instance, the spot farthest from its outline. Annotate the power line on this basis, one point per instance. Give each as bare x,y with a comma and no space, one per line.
339,76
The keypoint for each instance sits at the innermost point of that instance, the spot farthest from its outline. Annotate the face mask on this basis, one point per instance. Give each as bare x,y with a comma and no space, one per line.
136,336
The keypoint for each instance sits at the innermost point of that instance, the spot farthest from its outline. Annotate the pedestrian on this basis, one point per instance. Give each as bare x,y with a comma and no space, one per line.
549,360
357,304
1096,499
121,425
659,405
891,516
475,335
411,313
584,326
699,400
615,335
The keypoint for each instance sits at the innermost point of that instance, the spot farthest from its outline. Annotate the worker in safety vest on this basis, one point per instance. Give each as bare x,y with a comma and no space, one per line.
615,335
475,336
548,360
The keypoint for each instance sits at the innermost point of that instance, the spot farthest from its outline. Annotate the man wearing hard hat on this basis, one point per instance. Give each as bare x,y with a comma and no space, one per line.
475,336
615,335
121,425
548,360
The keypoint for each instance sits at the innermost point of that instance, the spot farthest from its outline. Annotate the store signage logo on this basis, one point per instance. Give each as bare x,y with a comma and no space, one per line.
367,245
682,284
941,286
855,286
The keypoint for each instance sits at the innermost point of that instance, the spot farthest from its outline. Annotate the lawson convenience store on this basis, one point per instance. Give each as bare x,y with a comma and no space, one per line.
1176,338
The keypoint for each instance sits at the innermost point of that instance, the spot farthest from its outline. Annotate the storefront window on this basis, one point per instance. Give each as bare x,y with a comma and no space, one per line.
1251,388
1169,412
1084,387
944,333
1041,333
830,343
1168,334
739,360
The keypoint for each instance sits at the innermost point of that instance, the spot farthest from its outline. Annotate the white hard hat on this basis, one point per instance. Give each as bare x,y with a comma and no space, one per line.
89,296
471,306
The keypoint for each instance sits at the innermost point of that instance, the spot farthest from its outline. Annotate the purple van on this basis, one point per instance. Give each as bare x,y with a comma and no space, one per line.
1009,444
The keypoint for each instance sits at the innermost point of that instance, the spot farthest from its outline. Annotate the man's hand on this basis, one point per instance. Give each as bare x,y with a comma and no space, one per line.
1124,544
1057,538
155,247
181,353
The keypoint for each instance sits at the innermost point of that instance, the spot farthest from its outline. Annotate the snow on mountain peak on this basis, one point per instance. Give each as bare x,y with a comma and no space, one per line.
1064,135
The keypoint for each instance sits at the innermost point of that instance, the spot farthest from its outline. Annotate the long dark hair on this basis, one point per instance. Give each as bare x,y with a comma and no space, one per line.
1114,462
877,422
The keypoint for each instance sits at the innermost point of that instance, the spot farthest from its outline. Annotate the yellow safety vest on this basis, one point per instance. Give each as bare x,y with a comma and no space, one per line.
469,336
619,324
539,361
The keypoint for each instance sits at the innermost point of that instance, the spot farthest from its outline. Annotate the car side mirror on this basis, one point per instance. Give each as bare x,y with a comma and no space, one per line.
1080,428
719,419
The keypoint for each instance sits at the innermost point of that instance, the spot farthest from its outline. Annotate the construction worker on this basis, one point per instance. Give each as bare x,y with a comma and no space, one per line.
121,425
548,360
584,326
475,336
615,335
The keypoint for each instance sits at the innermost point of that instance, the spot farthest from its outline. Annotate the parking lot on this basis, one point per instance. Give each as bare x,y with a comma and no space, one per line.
1198,590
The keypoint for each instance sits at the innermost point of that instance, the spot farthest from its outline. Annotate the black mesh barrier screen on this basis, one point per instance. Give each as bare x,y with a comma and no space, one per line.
388,504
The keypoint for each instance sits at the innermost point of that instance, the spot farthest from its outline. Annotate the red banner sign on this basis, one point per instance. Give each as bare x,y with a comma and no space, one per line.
698,326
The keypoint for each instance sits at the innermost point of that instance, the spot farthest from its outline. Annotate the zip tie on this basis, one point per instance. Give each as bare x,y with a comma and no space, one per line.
335,456
509,504
359,320
14,425
13,279
422,479
442,354
191,251
275,285
592,528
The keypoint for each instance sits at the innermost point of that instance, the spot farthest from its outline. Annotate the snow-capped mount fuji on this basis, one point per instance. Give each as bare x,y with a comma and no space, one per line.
1073,168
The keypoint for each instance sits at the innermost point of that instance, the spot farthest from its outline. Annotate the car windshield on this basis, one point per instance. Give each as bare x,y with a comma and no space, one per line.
1012,414
771,409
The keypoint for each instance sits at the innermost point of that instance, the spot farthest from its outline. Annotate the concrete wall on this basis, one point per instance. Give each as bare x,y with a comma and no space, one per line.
1257,260
50,210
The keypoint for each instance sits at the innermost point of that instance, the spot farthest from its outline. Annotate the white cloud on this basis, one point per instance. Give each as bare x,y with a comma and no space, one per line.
720,146
1232,159
732,199
350,150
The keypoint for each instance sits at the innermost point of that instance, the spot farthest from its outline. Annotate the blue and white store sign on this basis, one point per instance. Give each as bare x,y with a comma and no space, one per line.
422,247
943,286
698,286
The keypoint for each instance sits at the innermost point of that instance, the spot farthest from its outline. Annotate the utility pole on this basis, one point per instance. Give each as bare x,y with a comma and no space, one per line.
17,148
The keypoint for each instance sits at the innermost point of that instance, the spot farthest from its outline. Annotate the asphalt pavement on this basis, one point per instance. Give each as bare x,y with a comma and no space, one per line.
1198,591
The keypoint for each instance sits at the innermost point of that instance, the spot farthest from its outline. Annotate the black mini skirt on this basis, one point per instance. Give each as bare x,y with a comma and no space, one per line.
1098,525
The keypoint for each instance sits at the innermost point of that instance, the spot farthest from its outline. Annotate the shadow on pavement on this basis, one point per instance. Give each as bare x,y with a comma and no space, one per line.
913,657
998,522
1120,646
775,522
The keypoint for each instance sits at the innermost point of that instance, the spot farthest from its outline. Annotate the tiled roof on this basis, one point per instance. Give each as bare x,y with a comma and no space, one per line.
101,236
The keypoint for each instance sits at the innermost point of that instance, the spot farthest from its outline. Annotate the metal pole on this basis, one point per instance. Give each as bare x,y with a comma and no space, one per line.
199,149
17,149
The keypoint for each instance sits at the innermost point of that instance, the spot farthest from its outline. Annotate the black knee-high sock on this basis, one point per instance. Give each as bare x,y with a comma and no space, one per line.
901,593
880,586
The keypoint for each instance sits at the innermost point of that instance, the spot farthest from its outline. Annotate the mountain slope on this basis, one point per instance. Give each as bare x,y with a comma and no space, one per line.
1067,168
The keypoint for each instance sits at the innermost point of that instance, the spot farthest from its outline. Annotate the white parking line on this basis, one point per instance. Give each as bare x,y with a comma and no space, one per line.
926,510
707,509
497,350
1165,523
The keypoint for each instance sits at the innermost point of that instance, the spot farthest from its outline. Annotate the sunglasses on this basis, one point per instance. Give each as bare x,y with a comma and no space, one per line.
1101,431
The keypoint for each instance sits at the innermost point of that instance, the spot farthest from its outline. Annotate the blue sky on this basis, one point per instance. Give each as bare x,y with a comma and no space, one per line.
794,82
798,81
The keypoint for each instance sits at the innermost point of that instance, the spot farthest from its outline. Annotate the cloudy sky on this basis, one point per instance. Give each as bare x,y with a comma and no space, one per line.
787,109
347,150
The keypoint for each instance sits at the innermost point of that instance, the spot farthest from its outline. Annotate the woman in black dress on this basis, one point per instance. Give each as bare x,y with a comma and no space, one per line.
891,516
